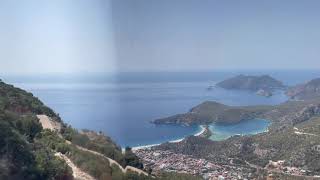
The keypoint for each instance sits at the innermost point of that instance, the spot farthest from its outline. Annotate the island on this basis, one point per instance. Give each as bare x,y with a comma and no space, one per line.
263,85
35,137
288,150
262,92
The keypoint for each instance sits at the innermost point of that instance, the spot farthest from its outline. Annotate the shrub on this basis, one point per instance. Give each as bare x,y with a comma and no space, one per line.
63,148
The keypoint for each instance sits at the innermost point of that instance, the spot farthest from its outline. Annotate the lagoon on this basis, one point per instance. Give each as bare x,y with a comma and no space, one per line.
247,127
122,105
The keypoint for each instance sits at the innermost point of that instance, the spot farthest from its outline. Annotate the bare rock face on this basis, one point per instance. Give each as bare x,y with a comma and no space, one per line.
306,113
305,91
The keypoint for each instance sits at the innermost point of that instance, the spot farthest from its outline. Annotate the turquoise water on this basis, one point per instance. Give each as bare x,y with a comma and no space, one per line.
248,127
122,105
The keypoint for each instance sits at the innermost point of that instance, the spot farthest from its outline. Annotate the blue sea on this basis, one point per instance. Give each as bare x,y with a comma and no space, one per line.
122,105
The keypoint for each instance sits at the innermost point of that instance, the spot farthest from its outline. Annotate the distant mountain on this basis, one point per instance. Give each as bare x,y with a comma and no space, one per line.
309,90
252,83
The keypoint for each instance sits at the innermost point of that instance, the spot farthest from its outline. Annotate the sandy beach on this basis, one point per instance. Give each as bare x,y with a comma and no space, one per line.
173,141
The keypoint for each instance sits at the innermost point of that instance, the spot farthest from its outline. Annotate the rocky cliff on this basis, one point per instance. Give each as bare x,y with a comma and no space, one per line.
306,91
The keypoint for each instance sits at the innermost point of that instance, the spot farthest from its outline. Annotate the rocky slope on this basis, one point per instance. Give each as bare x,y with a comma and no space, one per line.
306,91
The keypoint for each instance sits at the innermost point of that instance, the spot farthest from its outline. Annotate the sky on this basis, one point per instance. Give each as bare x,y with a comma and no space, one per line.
82,36
56,36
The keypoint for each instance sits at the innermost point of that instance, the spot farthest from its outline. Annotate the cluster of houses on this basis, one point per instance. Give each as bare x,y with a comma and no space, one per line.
279,166
169,161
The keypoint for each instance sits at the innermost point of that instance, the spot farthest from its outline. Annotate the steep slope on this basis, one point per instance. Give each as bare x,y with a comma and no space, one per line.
306,91
21,114
19,101
32,135
21,156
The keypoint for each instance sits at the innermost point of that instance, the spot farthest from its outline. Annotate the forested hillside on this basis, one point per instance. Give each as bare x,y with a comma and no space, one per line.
27,151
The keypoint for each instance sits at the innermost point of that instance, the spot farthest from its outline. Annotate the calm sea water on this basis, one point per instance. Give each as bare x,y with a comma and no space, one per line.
122,105
222,132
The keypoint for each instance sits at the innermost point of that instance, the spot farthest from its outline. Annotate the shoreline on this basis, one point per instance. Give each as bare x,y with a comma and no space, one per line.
200,133
266,130
203,129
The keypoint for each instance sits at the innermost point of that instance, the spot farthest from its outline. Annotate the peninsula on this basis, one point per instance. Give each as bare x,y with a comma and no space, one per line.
288,150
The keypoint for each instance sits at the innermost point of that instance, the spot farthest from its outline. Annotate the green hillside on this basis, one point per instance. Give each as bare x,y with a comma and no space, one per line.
27,151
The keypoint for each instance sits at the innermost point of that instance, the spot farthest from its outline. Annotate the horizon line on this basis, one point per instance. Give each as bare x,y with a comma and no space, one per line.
156,71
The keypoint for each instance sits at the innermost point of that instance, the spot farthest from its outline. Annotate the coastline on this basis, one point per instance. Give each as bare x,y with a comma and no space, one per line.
203,129
265,130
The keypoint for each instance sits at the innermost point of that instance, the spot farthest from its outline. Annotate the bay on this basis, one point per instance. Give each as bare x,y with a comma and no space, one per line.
122,105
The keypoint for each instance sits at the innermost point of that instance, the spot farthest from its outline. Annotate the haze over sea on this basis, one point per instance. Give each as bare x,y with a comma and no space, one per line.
122,105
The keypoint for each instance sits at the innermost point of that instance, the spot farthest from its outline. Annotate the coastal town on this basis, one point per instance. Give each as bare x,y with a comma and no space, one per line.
159,90
168,161
160,160
165,160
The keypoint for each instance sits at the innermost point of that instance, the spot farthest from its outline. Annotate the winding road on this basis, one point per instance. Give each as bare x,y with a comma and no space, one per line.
48,123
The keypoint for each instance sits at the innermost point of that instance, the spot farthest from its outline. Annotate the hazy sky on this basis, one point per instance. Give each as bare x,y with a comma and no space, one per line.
217,34
56,36
158,35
